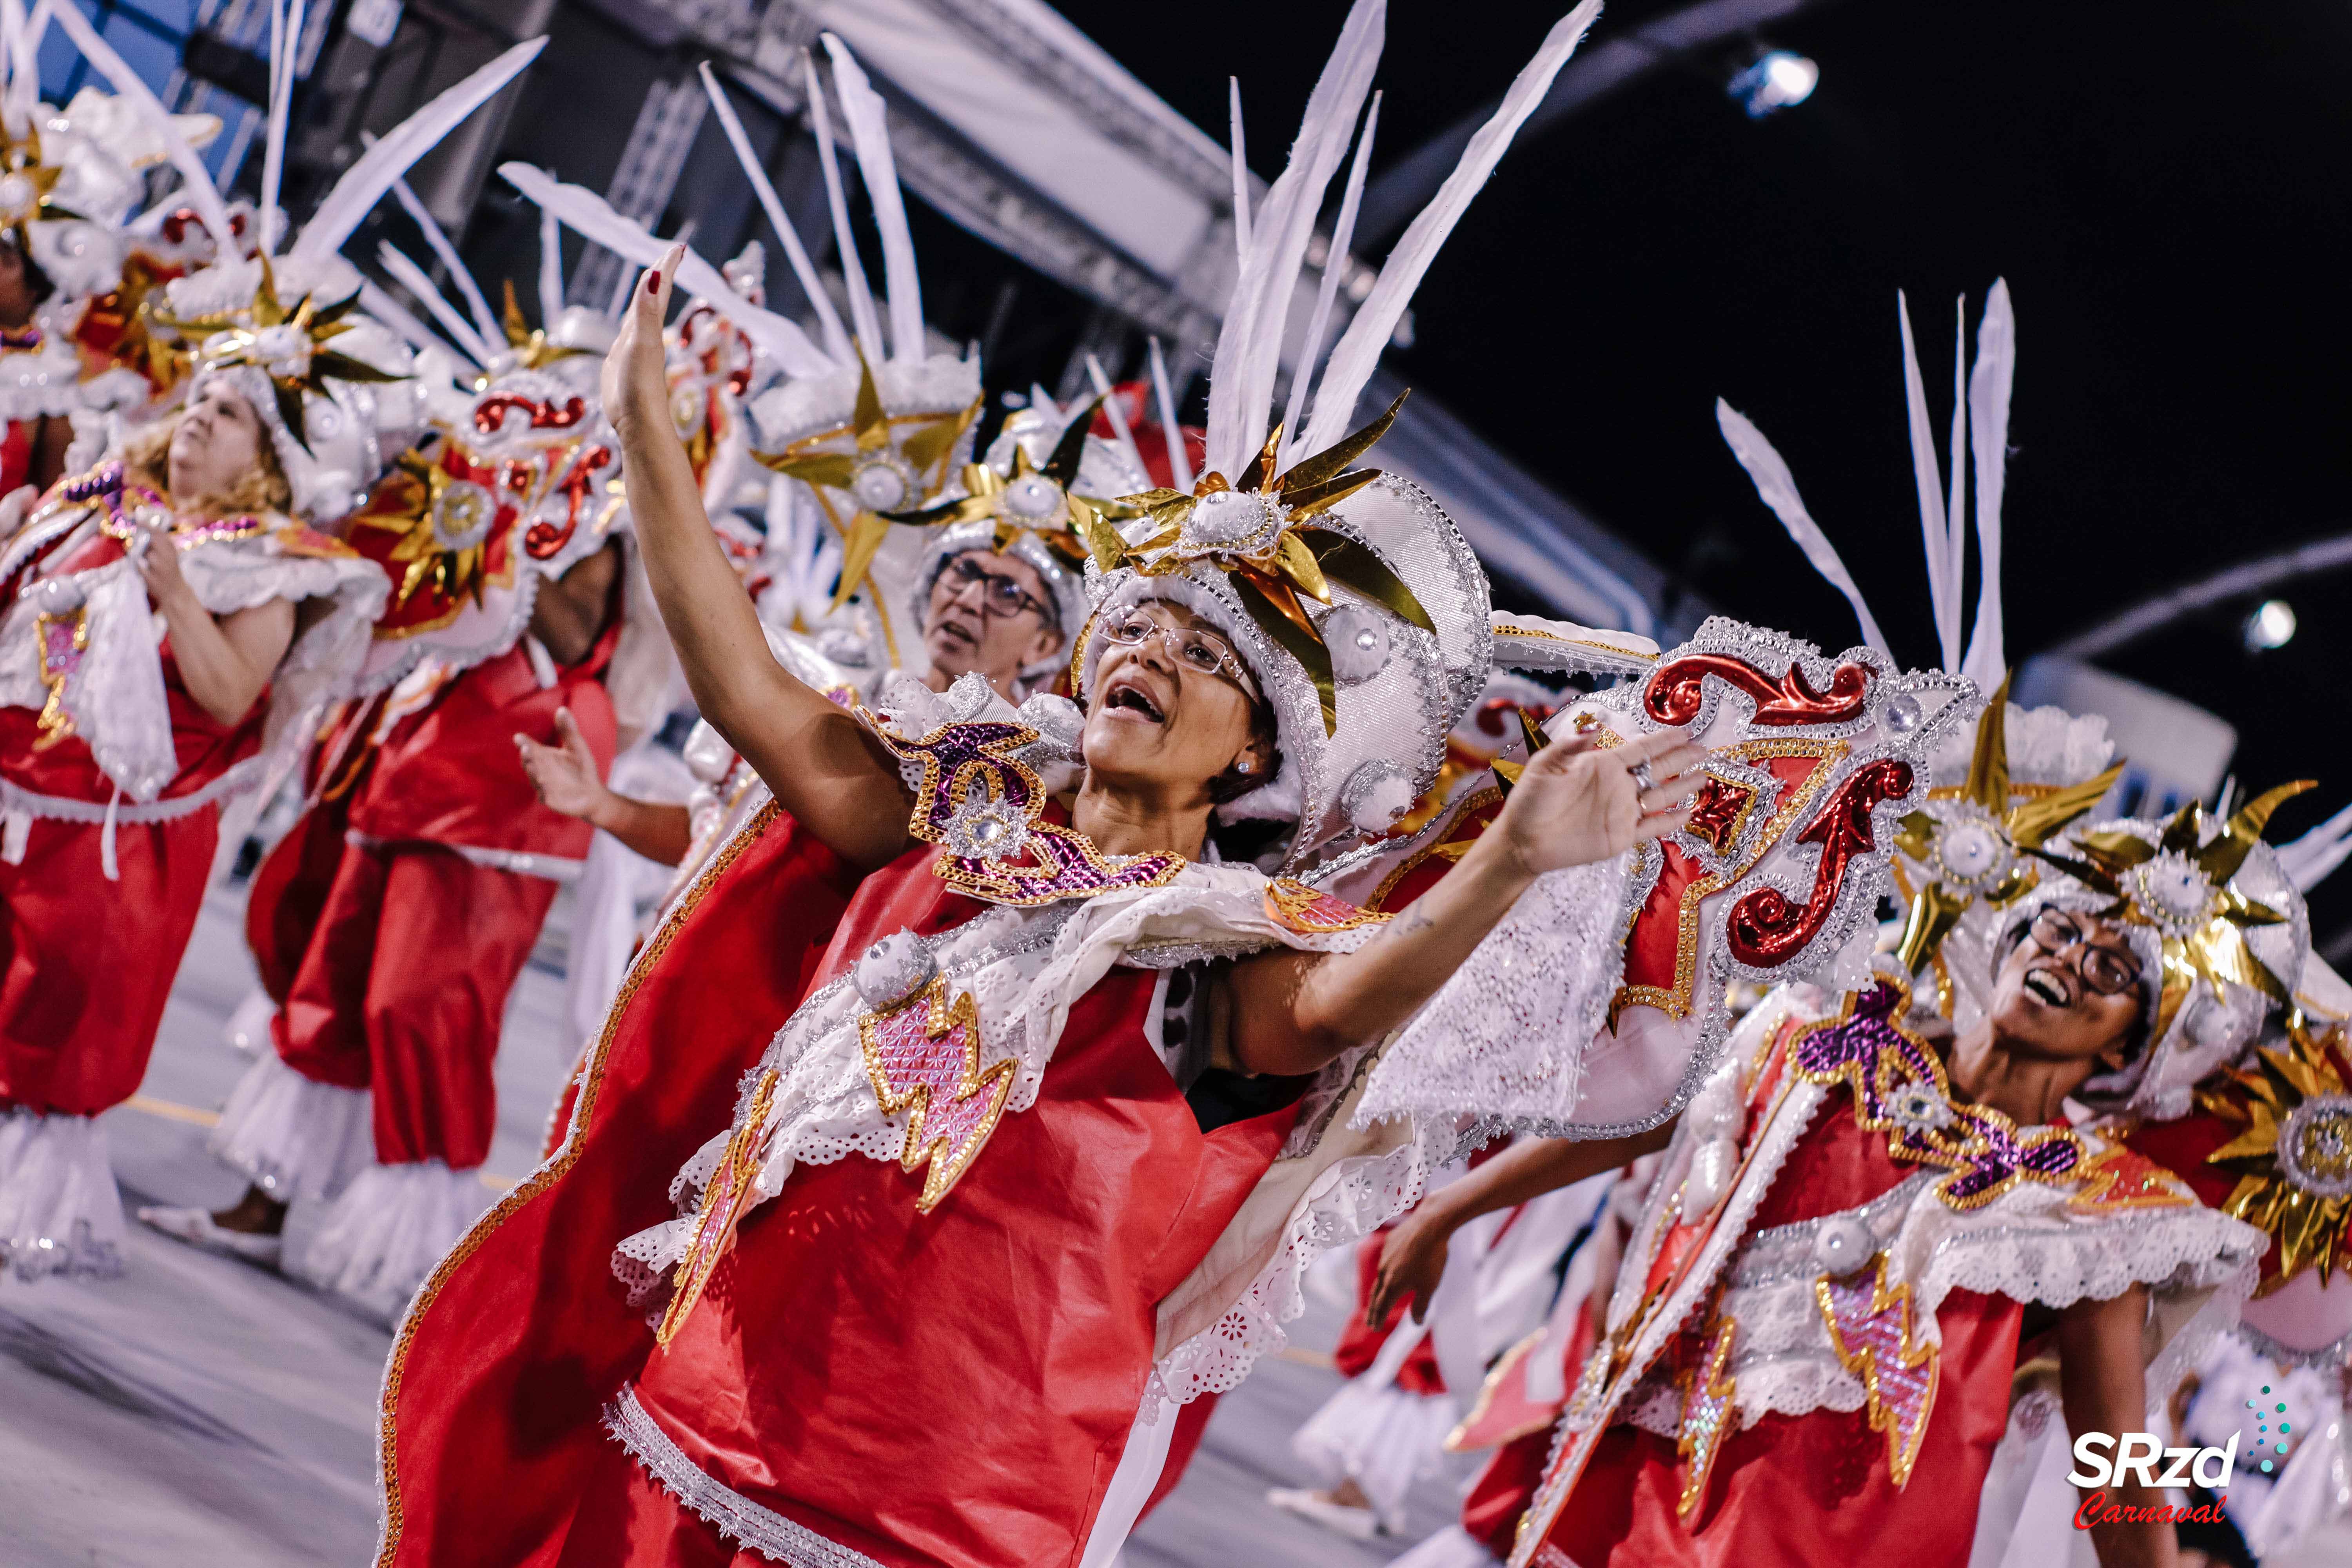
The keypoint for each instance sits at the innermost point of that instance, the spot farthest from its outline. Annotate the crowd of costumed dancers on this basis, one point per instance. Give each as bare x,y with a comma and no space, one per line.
1121,879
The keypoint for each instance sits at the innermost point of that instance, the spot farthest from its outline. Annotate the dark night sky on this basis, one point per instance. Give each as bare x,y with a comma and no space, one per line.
2165,188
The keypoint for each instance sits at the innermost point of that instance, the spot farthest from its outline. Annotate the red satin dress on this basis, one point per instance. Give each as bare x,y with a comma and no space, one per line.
1813,1488
87,965
390,953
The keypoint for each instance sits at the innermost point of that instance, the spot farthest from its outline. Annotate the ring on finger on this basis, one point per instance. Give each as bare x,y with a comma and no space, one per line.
1643,776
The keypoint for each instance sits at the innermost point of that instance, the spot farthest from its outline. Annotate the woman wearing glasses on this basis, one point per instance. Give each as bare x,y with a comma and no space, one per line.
1868,1222
1064,1106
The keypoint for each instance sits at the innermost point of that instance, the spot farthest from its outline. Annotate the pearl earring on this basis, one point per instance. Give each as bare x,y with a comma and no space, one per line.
1242,766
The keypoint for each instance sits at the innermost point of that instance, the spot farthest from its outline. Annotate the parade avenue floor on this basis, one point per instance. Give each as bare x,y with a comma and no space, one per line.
205,1413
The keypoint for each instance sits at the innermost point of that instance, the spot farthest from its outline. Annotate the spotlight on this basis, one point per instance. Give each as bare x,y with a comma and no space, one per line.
2271,625
1778,79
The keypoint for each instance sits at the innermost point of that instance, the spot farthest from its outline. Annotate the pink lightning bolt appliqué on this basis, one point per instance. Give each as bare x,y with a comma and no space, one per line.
923,1057
1870,1328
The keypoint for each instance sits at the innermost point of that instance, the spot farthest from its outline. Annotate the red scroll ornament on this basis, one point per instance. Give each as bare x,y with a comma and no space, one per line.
543,541
490,413
1766,928
1672,695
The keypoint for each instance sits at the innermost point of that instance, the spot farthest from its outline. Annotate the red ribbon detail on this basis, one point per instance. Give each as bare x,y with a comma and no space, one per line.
543,540
1766,928
1672,694
490,414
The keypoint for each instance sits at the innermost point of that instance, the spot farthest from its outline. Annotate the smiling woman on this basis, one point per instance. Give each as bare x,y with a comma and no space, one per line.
118,748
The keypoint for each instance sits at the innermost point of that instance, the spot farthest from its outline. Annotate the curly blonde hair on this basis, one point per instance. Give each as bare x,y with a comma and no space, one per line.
262,488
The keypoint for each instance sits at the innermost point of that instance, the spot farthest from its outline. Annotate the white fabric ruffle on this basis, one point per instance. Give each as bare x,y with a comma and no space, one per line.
377,1242
1377,1434
60,1211
293,1137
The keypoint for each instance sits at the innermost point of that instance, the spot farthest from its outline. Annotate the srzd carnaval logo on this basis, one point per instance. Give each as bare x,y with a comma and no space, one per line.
2136,1457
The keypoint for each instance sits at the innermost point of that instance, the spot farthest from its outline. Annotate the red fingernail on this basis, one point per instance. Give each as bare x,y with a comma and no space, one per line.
653,282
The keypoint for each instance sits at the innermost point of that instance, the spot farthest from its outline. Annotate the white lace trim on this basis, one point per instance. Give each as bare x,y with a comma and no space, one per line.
1491,1043
60,1214
233,781
291,1136
1023,969
737,1517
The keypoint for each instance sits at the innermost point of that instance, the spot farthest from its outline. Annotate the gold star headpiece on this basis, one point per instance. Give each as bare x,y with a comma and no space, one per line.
1977,846
883,472
287,344
1257,531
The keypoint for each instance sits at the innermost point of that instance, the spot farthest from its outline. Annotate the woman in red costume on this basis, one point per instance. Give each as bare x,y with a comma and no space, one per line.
1067,1104
118,746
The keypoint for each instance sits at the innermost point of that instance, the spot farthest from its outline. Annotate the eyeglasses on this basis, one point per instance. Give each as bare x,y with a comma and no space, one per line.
999,594
1204,653
2109,971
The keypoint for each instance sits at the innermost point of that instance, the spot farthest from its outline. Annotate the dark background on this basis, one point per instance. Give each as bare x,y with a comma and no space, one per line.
2165,188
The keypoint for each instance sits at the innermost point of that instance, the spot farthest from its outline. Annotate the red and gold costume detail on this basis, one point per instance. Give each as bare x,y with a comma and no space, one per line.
1822,1302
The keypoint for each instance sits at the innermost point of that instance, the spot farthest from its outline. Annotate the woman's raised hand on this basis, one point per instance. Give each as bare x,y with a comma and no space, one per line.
1575,804
635,380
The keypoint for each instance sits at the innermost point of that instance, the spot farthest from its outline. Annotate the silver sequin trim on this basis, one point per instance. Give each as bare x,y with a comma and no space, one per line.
739,1518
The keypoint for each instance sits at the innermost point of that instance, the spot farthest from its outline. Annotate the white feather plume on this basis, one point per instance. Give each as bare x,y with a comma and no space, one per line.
1778,491
862,318
379,304
1942,594
1989,390
413,277
593,217
201,193
1327,290
397,151
551,270
869,132
1119,432
2307,860
1956,510
1357,351
828,320
438,241
1179,455
1249,347
1241,170
284,45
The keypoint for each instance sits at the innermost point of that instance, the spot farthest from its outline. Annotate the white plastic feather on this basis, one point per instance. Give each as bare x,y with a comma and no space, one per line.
413,277
1125,437
593,217
201,193
485,322
285,52
837,339
1357,351
1778,491
1249,347
1335,263
2307,860
379,304
862,318
1989,390
1241,170
806,560
1042,401
1956,510
36,30
551,270
1179,455
869,132
1940,593
397,151
20,64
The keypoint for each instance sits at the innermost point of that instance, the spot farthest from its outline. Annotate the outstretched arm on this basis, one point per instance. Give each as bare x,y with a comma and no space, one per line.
1573,805
822,764
566,777
1414,1259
